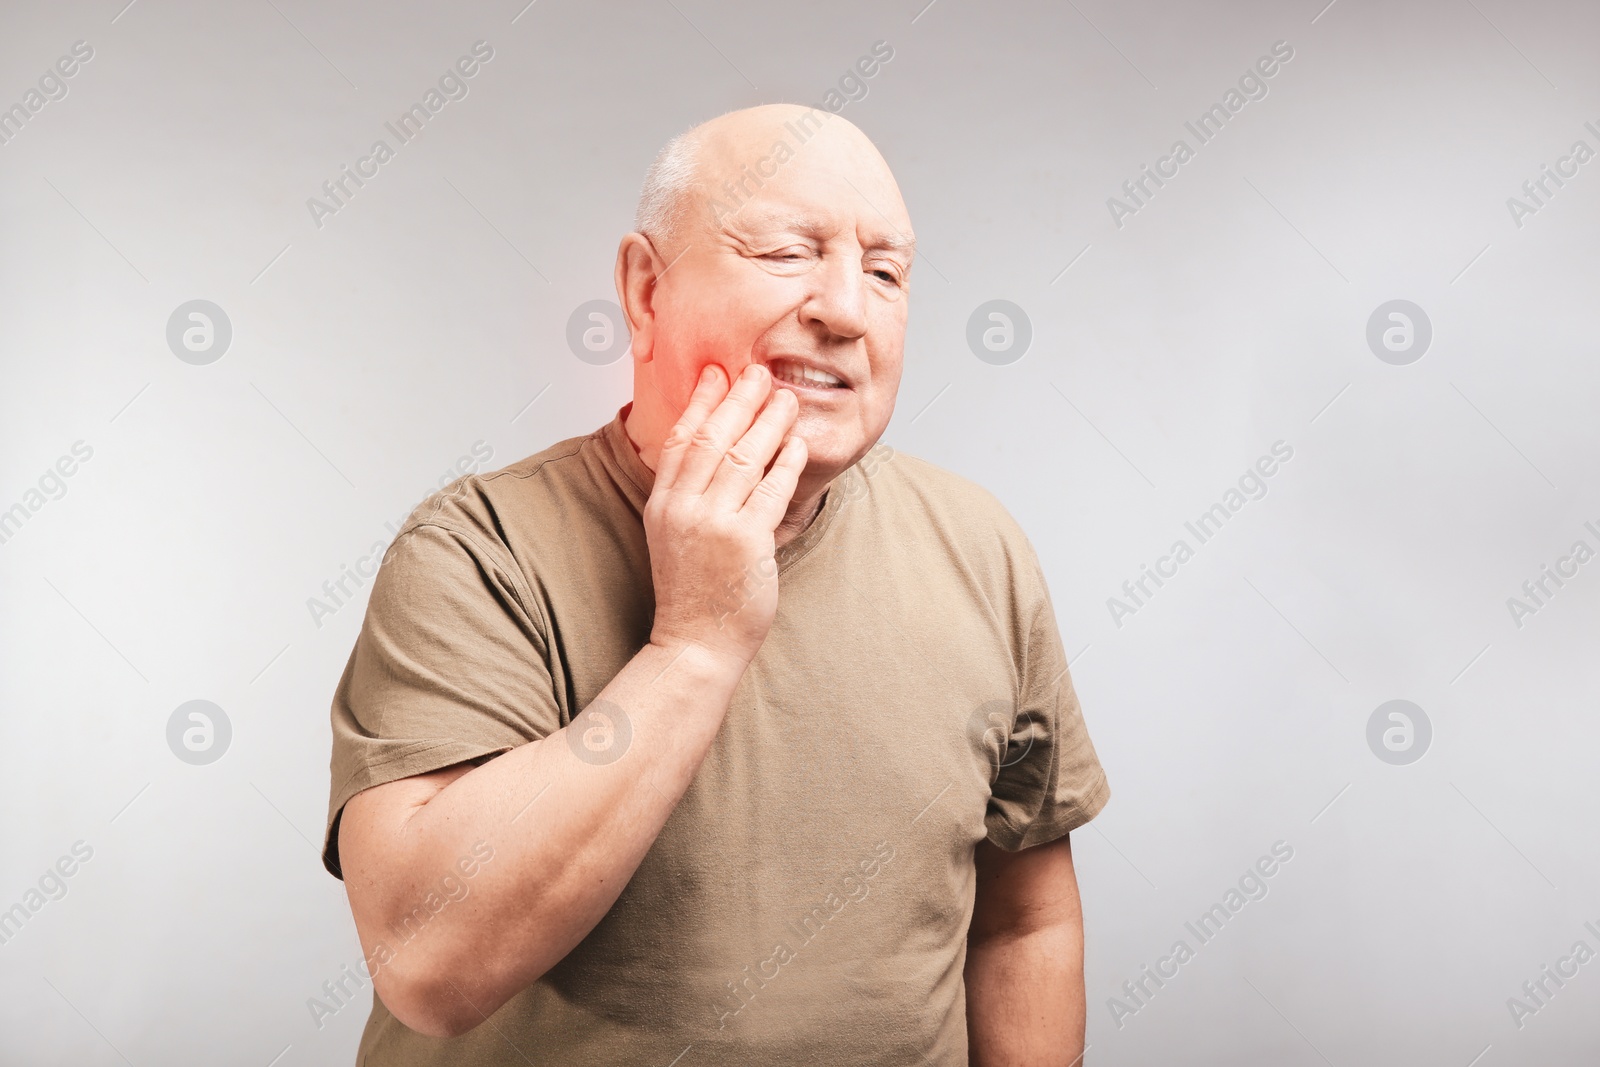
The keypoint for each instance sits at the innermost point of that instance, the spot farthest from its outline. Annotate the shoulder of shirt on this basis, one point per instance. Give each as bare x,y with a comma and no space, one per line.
910,484
964,522
472,505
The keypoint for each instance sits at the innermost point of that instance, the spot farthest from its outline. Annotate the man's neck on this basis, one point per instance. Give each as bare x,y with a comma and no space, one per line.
799,516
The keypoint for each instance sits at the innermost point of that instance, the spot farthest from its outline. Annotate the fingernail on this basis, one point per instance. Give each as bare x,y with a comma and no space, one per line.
706,375
752,372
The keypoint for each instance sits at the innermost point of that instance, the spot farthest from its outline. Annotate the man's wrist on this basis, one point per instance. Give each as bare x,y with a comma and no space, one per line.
704,664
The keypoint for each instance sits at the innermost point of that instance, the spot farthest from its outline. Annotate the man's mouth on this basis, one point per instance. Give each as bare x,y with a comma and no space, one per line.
804,375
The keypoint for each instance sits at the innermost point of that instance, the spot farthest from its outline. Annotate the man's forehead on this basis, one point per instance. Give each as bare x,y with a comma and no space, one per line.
873,230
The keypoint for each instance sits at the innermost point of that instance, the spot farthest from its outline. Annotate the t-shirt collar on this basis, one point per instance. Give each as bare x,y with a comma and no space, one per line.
637,479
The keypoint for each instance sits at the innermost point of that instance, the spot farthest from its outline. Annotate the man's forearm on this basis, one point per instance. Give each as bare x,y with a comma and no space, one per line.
1025,999
567,833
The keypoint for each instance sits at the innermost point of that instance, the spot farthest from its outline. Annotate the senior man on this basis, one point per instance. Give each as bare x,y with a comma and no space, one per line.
719,735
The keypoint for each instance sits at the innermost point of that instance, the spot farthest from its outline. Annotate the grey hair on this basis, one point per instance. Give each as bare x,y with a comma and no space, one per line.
671,175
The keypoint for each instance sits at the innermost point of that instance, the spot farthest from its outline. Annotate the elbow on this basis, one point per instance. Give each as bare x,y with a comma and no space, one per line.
436,999
446,1025
434,1006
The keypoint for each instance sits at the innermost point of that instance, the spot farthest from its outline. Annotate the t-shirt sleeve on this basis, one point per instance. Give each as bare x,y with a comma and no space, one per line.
1050,781
450,665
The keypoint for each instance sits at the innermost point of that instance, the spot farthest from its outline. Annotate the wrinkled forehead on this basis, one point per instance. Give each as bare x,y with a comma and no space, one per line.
814,178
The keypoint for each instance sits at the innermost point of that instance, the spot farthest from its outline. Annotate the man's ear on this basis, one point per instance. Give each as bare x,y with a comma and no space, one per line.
638,269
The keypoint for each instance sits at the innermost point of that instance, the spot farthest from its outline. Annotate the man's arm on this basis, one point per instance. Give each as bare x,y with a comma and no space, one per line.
567,832
1024,973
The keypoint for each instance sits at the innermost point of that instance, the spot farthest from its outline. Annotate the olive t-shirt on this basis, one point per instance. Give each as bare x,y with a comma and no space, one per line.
808,900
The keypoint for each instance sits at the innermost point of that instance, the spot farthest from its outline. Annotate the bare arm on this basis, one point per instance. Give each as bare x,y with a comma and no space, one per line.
569,831
1024,974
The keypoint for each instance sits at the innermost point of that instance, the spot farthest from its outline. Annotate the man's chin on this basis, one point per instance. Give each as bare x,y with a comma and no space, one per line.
825,461
833,443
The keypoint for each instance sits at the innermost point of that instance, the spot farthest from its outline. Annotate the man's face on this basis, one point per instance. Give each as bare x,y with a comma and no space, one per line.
801,273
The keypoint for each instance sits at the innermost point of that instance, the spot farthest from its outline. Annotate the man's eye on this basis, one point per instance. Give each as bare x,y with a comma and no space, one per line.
787,253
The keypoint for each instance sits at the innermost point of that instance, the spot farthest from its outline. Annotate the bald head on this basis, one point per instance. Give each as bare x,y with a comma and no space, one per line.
716,168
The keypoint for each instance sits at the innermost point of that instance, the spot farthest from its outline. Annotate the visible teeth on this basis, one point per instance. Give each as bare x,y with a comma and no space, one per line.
799,374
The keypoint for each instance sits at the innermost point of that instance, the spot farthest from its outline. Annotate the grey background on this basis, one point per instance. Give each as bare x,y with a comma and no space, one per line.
370,354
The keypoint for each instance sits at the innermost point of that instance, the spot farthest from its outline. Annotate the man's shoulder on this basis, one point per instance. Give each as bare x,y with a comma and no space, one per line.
937,521
910,485
484,506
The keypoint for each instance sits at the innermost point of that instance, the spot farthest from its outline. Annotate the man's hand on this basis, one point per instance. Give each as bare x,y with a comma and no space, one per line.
713,510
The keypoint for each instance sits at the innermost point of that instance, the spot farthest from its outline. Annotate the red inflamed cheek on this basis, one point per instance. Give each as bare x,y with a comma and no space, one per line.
698,337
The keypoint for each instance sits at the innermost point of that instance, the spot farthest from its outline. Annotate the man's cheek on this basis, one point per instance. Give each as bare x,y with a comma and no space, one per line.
688,354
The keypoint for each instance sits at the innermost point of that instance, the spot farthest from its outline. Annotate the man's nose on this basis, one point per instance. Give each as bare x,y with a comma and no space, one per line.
838,300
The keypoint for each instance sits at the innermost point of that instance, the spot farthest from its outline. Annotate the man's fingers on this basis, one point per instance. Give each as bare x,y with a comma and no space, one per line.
714,436
769,500
742,465
708,393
